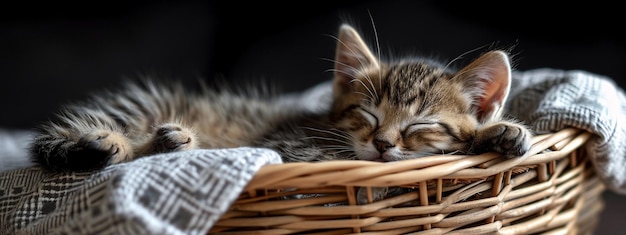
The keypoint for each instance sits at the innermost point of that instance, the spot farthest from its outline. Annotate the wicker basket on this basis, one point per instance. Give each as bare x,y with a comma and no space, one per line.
552,190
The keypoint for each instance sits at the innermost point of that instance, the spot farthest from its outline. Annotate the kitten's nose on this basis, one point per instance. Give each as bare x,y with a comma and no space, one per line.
382,145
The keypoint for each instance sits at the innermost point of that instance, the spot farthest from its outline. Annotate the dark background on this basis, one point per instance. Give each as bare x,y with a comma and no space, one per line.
51,53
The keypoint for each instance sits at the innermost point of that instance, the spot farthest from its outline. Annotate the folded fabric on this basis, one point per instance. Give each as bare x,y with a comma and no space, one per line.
175,193
550,100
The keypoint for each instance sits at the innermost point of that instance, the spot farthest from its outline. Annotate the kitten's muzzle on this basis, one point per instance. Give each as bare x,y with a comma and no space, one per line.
382,145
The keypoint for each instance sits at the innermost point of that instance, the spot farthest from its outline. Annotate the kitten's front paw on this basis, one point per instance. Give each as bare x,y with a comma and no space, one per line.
108,144
378,193
173,137
509,139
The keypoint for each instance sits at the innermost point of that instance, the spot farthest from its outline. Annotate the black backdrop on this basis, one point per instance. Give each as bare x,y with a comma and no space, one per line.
55,52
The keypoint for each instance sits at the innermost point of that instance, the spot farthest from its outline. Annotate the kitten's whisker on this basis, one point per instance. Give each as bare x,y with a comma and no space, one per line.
352,51
337,145
325,138
352,76
461,56
351,156
367,97
344,64
341,134
336,148
372,96
455,152
343,151
330,60
416,154
361,62
343,72
359,71
369,79
378,52
373,90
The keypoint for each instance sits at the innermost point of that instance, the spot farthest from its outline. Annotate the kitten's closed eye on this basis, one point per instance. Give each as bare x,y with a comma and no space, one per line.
421,127
369,116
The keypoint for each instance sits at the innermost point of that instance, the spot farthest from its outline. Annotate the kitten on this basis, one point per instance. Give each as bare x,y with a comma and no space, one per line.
379,111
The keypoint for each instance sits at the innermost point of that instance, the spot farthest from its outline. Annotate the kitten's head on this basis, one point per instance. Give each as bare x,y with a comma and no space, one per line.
412,107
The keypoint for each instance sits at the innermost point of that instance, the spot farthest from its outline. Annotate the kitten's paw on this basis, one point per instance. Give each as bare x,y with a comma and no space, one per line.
378,193
106,144
510,139
173,137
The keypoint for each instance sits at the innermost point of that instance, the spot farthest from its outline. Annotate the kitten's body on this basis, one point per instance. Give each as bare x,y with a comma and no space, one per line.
380,111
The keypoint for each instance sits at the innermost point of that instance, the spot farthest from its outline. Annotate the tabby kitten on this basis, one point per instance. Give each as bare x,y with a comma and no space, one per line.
379,111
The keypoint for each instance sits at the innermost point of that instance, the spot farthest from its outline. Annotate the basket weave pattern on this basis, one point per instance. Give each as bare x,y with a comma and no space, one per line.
552,190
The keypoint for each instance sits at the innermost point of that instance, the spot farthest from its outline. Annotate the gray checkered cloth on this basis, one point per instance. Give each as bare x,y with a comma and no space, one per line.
187,192
175,193
550,100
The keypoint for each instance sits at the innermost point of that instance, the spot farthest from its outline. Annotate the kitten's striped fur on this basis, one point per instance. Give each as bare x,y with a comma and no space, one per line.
381,111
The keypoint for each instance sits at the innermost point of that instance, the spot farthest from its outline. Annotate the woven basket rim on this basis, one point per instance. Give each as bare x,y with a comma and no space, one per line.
552,189
369,173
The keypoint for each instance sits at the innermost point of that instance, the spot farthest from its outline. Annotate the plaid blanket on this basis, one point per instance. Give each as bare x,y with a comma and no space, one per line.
187,192
175,193
551,100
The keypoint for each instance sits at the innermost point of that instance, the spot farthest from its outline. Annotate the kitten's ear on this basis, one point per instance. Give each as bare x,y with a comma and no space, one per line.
489,78
352,56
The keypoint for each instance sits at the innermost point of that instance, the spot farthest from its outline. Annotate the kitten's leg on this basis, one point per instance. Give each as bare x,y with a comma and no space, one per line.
170,137
61,149
508,138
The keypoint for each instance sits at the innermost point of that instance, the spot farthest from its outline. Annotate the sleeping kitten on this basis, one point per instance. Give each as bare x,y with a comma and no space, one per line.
380,111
